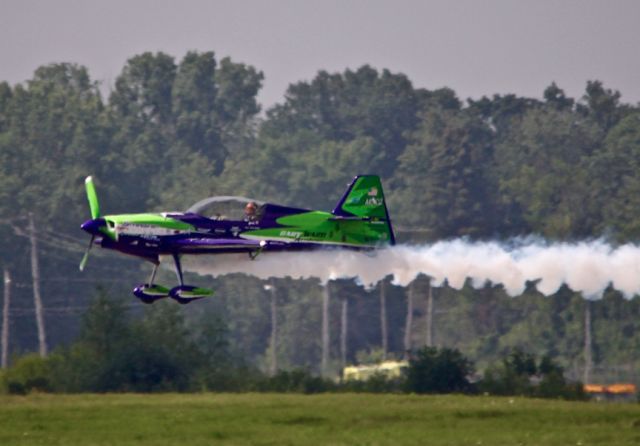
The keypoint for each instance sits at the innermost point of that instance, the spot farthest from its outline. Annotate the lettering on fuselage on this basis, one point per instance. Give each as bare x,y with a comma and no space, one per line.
305,234
293,234
145,231
315,234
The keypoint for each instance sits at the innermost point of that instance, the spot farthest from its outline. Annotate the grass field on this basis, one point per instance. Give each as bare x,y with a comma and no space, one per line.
335,419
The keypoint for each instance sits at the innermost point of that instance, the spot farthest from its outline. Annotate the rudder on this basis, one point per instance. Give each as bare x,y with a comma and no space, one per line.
364,198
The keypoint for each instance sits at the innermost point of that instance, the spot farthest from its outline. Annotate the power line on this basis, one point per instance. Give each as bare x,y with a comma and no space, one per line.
85,280
69,238
61,309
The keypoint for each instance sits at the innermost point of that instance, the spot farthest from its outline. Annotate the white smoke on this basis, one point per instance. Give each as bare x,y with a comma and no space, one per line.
586,267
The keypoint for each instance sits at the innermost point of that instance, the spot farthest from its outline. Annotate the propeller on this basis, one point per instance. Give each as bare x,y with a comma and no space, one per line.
94,206
83,262
92,197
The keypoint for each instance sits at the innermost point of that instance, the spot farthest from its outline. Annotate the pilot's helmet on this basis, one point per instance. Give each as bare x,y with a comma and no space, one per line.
250,208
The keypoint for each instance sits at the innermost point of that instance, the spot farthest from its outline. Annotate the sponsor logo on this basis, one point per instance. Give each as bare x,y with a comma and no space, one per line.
145,231
294,234
315,234
373,202
373,192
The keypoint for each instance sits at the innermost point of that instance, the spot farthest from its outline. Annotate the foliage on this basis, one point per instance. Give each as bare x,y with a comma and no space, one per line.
116,353
29,373
519,374
160,353
294,381
433,370
378,383
443,177
173,131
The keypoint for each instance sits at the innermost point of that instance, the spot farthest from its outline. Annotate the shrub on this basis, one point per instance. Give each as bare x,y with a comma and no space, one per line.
29,373
519,375
439,371
295,381
378,383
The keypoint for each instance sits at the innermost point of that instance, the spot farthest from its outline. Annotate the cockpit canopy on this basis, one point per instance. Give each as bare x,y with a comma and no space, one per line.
226,208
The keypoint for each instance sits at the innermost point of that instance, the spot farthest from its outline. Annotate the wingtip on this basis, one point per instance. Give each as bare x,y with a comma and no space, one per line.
88,179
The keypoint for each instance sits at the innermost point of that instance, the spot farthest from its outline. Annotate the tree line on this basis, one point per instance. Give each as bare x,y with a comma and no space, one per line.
116,353
171,132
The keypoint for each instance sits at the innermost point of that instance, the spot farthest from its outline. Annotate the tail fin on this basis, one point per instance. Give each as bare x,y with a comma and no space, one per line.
364,198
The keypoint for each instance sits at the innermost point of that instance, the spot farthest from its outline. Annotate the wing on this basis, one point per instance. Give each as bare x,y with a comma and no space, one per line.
196,244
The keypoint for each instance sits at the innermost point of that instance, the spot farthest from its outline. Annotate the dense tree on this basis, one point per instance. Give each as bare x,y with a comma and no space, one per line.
433,370
194,97
555,96
53,135
176,124
501,112
172,132
542,169
345,106
602,105
521,374
442,180
327,131
616,184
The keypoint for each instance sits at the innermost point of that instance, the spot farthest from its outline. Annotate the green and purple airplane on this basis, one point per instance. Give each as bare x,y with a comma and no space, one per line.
223,225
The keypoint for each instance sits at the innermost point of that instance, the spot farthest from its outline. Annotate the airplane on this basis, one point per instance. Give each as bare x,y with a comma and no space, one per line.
223,225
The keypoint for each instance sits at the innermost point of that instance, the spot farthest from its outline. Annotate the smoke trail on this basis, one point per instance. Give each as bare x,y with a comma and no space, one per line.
586,267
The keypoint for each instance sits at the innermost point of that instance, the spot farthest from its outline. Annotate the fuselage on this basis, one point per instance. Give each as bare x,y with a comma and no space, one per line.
222,225
274,228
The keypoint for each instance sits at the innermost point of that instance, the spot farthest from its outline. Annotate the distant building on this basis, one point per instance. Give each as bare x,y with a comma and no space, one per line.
612,392
388,369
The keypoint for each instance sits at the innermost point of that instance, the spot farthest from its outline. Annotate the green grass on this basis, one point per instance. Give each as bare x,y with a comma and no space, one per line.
335,419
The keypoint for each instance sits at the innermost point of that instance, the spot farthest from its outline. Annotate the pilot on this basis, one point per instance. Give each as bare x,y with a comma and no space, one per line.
250,211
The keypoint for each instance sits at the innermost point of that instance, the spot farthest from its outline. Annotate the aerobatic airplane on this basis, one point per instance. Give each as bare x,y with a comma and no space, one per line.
222,225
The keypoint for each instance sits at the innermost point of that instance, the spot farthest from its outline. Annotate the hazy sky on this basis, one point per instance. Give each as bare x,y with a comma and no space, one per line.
476,47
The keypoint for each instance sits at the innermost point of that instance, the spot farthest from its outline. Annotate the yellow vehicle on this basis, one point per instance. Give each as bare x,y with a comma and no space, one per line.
388,369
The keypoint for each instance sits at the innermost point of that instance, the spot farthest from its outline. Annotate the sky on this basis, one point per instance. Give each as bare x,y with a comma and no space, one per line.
475,47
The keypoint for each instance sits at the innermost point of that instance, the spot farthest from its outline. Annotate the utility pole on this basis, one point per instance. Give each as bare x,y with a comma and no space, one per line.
429,315
5,319
383,320
325,329
35,274
409,321
587,342
343,332
273,363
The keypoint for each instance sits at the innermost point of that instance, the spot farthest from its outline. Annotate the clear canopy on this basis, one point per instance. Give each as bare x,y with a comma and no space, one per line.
225,207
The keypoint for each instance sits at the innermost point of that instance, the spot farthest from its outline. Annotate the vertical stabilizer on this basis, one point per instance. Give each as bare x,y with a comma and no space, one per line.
364,198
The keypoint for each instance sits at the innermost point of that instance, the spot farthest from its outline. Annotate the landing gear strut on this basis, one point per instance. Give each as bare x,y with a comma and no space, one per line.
148,292
183,294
